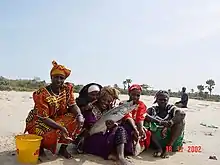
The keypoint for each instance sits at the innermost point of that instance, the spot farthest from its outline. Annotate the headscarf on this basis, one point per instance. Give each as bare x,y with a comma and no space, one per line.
134,86
83,98
110,93
161,93
84,91
93,88
59,70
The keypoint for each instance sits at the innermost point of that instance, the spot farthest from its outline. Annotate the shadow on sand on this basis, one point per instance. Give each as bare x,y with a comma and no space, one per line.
9,158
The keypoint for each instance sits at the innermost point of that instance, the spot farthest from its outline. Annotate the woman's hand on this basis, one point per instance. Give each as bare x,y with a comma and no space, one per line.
164,132
142,133
88,106
64,132
136,134
165,123
80,120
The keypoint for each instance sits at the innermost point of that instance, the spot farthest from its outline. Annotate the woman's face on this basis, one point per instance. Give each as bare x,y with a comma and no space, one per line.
162,101
93,95
105,103
135,95
57,80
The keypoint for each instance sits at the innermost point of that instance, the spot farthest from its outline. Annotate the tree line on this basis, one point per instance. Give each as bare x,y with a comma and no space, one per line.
35,83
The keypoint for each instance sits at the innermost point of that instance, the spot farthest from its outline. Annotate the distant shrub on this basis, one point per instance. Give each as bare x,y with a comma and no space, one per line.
36,83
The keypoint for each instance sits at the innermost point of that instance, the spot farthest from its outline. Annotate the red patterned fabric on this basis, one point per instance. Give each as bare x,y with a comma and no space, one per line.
134,86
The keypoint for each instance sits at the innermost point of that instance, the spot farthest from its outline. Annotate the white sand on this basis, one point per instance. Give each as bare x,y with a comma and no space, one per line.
14,107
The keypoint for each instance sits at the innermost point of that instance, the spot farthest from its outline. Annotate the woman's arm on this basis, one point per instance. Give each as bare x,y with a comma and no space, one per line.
149,116
152,119
130,120
51,123
72,106
75,110
140,115
132,123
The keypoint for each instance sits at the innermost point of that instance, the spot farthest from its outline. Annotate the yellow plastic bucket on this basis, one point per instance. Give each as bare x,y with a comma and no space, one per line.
28,147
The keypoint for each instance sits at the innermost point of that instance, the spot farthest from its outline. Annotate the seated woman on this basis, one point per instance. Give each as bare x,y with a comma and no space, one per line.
166,123
133,122
55,116
184,99
113,141
88,95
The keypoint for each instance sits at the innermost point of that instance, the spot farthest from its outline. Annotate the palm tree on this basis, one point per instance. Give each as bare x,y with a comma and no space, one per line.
36,79
200,88
116,86
210,85
129,81
124,83
145,87
169,91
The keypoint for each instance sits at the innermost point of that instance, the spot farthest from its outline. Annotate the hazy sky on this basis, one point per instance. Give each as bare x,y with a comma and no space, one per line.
163,43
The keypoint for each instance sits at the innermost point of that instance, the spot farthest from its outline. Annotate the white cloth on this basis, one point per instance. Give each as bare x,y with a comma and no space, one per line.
93,88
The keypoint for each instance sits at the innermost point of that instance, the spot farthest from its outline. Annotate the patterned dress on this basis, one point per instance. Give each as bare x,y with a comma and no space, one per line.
102,144
167,114
55,107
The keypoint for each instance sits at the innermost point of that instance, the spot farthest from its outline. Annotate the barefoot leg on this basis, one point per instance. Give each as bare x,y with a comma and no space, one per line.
120,155
63,152
176,131
157,145
42,152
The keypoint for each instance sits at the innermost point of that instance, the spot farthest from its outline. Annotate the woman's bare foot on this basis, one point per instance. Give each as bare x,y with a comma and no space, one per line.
164,154
112,157
42,152
123,161
157,153
63,152
42,155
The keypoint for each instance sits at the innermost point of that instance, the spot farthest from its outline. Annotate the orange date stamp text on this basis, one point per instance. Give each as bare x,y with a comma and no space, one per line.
189,149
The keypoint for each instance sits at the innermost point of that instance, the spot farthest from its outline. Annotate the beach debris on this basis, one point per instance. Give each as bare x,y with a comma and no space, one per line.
13,154
213,157
208,134
187,141
205,105
209,126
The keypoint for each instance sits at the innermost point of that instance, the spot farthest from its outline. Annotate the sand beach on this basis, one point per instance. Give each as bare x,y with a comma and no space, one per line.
200,119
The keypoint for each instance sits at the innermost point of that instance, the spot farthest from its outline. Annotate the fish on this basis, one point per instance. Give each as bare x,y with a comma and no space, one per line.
114,114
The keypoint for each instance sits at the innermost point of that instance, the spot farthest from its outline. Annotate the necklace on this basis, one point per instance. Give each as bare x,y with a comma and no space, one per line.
53,92
97,113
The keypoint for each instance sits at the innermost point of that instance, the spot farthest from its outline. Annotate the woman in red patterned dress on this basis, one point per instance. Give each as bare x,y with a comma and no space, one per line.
55,116
134,121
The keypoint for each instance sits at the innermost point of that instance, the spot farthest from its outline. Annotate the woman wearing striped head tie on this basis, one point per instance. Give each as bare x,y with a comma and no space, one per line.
166,123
